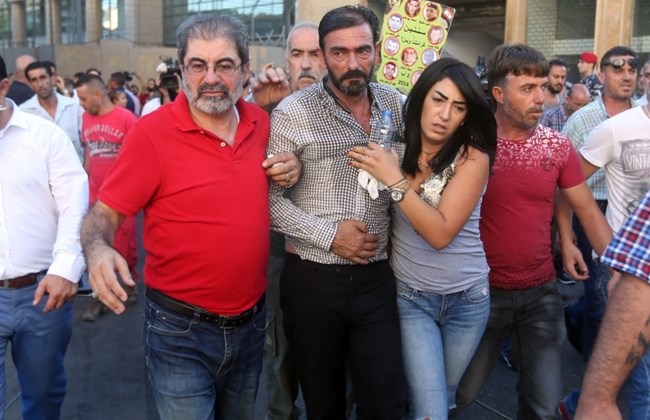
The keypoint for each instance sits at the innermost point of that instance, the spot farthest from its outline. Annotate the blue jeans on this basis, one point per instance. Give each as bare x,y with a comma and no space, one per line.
585,316
638,406
200,371
38,345
439,334
535,320
588,311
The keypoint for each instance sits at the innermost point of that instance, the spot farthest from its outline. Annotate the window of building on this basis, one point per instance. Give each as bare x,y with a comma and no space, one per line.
575,19
264,18
73,21
35,11
641,18
113,18
5,25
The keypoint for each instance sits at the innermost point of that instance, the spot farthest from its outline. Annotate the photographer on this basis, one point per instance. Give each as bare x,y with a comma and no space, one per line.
166,85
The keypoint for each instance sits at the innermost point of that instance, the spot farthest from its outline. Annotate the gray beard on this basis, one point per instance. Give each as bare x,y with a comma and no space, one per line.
212,105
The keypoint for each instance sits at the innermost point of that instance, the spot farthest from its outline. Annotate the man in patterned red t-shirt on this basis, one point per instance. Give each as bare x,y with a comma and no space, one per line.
532,162
103,128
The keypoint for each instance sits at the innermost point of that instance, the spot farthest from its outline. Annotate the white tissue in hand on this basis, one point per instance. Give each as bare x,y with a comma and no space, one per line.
370,183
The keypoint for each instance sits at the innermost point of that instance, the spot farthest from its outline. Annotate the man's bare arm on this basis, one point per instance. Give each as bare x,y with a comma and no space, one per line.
591,217
97,235
623,339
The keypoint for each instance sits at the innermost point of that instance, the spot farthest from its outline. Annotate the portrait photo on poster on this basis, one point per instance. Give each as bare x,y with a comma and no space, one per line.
413,36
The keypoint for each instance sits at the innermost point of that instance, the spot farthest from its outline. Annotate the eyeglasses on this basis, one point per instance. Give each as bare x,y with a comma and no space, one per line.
618,63
200,68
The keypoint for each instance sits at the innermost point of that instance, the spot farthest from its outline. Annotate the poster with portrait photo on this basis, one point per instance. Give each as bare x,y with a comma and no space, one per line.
413,35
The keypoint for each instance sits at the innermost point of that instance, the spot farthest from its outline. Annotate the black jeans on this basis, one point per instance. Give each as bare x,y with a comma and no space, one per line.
338,314
535,320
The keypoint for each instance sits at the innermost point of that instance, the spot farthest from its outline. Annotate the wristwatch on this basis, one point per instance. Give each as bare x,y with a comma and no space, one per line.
396,193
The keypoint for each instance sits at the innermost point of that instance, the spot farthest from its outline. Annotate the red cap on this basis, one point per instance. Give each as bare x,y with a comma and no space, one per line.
589,57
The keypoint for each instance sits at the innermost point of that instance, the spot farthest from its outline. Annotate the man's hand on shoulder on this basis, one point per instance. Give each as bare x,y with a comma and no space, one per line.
59,289
353,242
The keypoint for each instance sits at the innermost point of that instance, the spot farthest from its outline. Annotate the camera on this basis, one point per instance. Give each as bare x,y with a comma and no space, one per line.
168,69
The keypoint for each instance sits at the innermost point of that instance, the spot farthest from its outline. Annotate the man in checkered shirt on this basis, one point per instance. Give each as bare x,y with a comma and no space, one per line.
337,289
625,332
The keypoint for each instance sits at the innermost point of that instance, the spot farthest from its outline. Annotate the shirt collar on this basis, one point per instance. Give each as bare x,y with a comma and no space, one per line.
17,118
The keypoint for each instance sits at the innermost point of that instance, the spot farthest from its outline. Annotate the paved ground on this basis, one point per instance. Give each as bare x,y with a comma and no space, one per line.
106,374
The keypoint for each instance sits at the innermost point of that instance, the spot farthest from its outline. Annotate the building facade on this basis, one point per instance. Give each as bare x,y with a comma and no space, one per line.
132,35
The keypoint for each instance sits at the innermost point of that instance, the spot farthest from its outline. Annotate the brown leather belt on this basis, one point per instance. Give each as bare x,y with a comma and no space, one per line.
191,311
19,282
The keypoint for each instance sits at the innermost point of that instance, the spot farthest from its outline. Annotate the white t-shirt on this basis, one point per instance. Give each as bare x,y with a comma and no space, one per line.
151,105
621,144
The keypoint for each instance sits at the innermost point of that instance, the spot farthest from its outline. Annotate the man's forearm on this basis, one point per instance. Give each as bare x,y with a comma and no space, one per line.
563,215
622,341
98,229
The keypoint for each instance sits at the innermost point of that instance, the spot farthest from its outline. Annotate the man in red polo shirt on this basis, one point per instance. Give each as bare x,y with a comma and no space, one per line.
195,167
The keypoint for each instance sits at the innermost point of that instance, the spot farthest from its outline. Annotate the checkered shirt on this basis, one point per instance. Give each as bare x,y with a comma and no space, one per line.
629,251
577,129
554,118
320,130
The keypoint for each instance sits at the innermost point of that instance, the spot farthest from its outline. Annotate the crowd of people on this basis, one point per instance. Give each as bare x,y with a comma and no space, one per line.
396,303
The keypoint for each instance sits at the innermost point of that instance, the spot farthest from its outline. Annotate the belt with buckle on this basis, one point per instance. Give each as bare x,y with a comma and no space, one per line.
19,282
191,311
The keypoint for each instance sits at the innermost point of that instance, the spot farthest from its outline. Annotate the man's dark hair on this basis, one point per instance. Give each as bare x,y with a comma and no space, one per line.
347,17
208,26
558,62
3,69
51,65
94,81
119,77
616,51
38,65
517,60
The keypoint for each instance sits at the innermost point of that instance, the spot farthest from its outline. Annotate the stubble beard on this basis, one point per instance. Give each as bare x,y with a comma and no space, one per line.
519,118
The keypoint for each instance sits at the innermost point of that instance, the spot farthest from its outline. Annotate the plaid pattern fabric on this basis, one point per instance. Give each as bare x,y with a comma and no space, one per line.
629,251
320,130
577,128
554,118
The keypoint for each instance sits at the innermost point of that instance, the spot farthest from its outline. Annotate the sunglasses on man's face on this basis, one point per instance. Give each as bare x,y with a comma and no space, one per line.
618,63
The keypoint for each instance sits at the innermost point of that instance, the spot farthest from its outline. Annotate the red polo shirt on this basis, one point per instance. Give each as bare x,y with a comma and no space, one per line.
206,209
